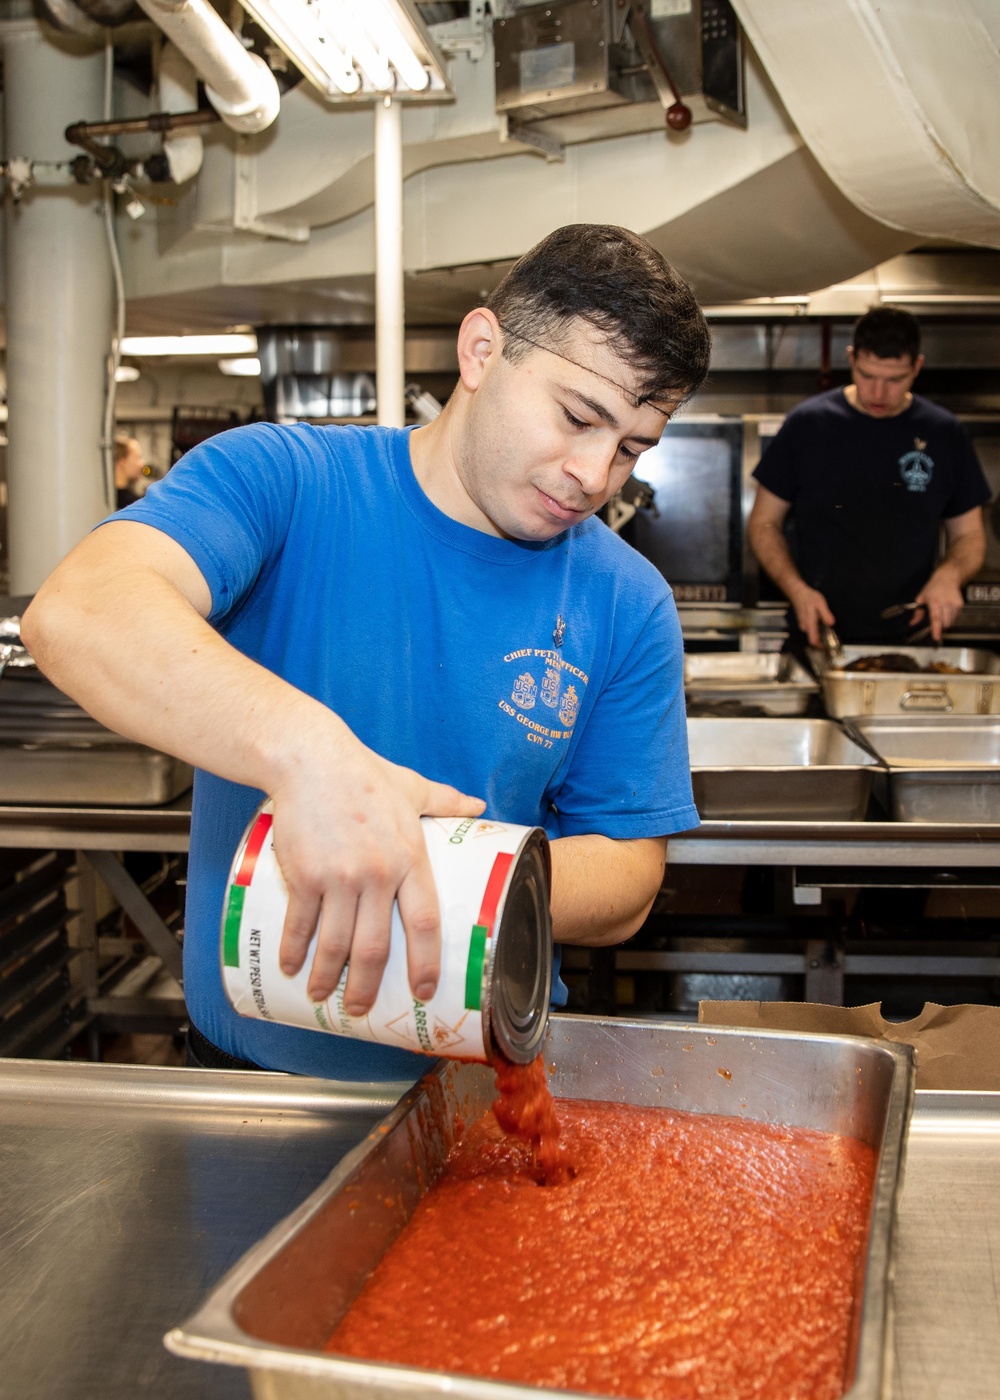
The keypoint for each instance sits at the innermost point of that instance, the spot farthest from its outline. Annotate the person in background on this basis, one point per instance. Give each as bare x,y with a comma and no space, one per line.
130,467
869,474
372,625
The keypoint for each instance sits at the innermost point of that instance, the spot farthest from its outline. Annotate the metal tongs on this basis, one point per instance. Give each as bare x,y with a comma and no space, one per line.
831,647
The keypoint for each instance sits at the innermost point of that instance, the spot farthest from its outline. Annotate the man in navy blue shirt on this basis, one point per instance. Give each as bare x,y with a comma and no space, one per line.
870,473
371,625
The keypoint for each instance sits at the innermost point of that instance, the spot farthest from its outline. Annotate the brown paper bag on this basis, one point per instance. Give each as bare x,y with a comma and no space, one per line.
956,1047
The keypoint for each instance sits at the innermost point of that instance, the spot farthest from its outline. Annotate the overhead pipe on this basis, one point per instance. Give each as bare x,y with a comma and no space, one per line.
389,314
177,85
239,84
69,18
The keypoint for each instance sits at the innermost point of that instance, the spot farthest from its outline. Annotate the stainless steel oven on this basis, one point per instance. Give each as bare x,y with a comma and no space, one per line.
693,532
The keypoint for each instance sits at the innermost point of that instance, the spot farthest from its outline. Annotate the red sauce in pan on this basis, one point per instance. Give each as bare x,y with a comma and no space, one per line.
686,1258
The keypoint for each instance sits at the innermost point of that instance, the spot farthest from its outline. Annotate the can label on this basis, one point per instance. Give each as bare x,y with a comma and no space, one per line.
472,861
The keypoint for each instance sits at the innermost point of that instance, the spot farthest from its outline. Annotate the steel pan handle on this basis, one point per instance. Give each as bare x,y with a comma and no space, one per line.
932,698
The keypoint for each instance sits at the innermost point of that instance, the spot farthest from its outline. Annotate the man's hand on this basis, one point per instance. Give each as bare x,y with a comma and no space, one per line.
348,839
811,609
942,598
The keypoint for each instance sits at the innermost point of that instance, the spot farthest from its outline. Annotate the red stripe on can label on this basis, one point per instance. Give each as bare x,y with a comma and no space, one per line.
494,890
254,845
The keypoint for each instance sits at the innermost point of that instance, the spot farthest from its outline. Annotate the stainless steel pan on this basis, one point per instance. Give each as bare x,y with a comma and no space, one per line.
940,770
274,1311
905,692
778,770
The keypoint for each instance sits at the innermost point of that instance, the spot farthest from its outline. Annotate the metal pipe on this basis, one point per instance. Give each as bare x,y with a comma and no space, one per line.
389,305
58,312
80,132
239,85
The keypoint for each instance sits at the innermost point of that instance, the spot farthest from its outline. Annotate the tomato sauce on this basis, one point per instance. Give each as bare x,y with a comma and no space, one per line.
525,1108
687,1257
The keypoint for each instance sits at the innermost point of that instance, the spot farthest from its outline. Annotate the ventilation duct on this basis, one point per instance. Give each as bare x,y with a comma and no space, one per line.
897,100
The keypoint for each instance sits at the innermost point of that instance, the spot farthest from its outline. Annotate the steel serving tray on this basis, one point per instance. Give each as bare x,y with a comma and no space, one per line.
773,681
274,1311
778,769
940,770
911,692
101,769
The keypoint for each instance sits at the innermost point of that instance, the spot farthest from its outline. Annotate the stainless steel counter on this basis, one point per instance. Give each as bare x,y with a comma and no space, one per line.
713,843
947,1291
837,844
128,1191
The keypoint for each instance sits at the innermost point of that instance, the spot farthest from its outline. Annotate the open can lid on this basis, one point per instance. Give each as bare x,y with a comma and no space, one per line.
519,988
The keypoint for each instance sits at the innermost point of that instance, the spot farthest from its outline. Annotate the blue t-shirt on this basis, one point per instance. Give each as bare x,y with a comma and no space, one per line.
545,677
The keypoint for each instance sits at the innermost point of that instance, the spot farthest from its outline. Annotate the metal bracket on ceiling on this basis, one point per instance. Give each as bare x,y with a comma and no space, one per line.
245,217
469,35
519,134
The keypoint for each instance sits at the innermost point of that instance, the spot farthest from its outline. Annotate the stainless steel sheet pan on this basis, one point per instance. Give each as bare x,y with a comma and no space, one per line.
940,770
911,692
274,1311
778,769
772,681
109,772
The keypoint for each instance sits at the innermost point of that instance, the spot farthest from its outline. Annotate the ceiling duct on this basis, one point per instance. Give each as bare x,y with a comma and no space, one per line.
897,100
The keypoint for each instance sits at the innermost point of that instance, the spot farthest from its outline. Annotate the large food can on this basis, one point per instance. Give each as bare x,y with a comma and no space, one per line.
496,946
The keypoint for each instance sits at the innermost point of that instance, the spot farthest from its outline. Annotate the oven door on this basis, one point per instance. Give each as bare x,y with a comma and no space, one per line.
693,530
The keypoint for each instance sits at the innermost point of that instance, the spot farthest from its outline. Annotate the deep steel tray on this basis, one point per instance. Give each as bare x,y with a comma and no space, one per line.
911,692
103,770
276,1309
771,681
940,770
778,769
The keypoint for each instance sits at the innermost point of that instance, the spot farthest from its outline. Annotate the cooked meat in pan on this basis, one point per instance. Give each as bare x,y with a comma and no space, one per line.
897,661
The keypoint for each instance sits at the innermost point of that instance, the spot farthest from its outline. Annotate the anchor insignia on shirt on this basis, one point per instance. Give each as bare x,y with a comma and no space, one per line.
916,468
559,631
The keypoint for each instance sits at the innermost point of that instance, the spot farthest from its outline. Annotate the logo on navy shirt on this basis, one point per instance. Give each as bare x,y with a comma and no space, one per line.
549,678
916,468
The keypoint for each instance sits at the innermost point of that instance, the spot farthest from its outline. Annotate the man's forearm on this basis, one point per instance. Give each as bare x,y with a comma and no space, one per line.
964,557
134,652
771,548
602,889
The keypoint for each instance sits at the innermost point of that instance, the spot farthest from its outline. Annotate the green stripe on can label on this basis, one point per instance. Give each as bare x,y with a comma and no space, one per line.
474,968
231,932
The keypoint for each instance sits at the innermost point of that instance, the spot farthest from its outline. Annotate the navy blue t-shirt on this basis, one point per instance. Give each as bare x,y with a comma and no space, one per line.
868,497
545,677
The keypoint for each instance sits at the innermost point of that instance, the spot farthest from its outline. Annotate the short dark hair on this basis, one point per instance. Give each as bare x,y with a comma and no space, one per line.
888,332
620,284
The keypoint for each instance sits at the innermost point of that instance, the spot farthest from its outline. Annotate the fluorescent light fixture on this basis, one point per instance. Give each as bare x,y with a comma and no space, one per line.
189,345
247,368
355,47
126,374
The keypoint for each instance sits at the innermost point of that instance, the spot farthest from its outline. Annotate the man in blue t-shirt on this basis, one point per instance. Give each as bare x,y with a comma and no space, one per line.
370,625
869,473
